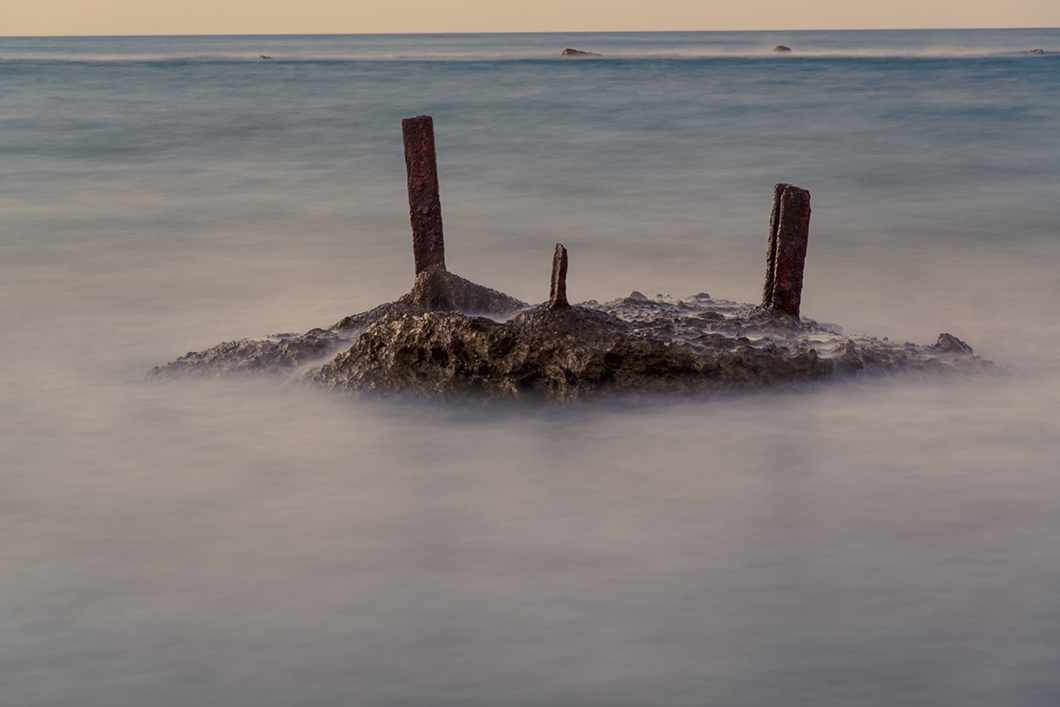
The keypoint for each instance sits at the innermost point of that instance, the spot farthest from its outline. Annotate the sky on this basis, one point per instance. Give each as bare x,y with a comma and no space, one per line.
155,17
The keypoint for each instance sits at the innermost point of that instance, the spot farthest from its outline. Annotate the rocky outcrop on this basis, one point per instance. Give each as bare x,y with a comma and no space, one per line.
626,347
634,345
1036,51
434,341
781,49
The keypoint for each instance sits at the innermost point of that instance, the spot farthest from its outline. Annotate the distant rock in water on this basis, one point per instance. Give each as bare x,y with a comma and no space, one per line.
1036,51
781,49
577,52
263,57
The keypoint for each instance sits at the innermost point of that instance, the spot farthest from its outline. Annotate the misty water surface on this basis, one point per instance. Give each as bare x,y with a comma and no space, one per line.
881,542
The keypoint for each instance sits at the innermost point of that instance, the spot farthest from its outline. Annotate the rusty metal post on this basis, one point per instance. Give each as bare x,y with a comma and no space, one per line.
771,246
789,234
425,208
558,297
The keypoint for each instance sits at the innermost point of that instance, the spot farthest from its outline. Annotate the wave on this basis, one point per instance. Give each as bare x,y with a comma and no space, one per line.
499,48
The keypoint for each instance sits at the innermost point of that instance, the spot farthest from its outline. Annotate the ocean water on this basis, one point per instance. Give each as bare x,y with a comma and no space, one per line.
876,542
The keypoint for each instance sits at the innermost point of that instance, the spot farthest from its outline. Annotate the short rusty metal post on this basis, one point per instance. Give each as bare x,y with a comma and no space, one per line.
789,232
558,297
425,208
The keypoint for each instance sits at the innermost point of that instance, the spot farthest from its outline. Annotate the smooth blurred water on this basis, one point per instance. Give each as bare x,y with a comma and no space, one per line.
879,542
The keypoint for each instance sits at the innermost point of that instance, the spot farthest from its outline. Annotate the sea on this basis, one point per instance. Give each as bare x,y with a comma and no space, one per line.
879,541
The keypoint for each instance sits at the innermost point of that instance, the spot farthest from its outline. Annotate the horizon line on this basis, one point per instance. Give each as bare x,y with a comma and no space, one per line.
396,34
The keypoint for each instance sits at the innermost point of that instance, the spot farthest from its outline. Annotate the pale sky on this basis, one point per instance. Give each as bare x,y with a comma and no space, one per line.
152,17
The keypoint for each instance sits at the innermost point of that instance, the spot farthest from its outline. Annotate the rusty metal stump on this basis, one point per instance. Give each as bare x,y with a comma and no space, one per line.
789,232
425,207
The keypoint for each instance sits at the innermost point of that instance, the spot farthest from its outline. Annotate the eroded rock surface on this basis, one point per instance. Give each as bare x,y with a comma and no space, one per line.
633,345
272,355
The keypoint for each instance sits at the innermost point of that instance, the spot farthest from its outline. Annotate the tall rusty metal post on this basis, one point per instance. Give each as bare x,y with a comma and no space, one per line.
558,296
425,207
789,232
771,246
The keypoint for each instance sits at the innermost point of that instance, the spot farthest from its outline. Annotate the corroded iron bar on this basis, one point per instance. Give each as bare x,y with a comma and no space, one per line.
792,236
558,297
425,208
771,246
